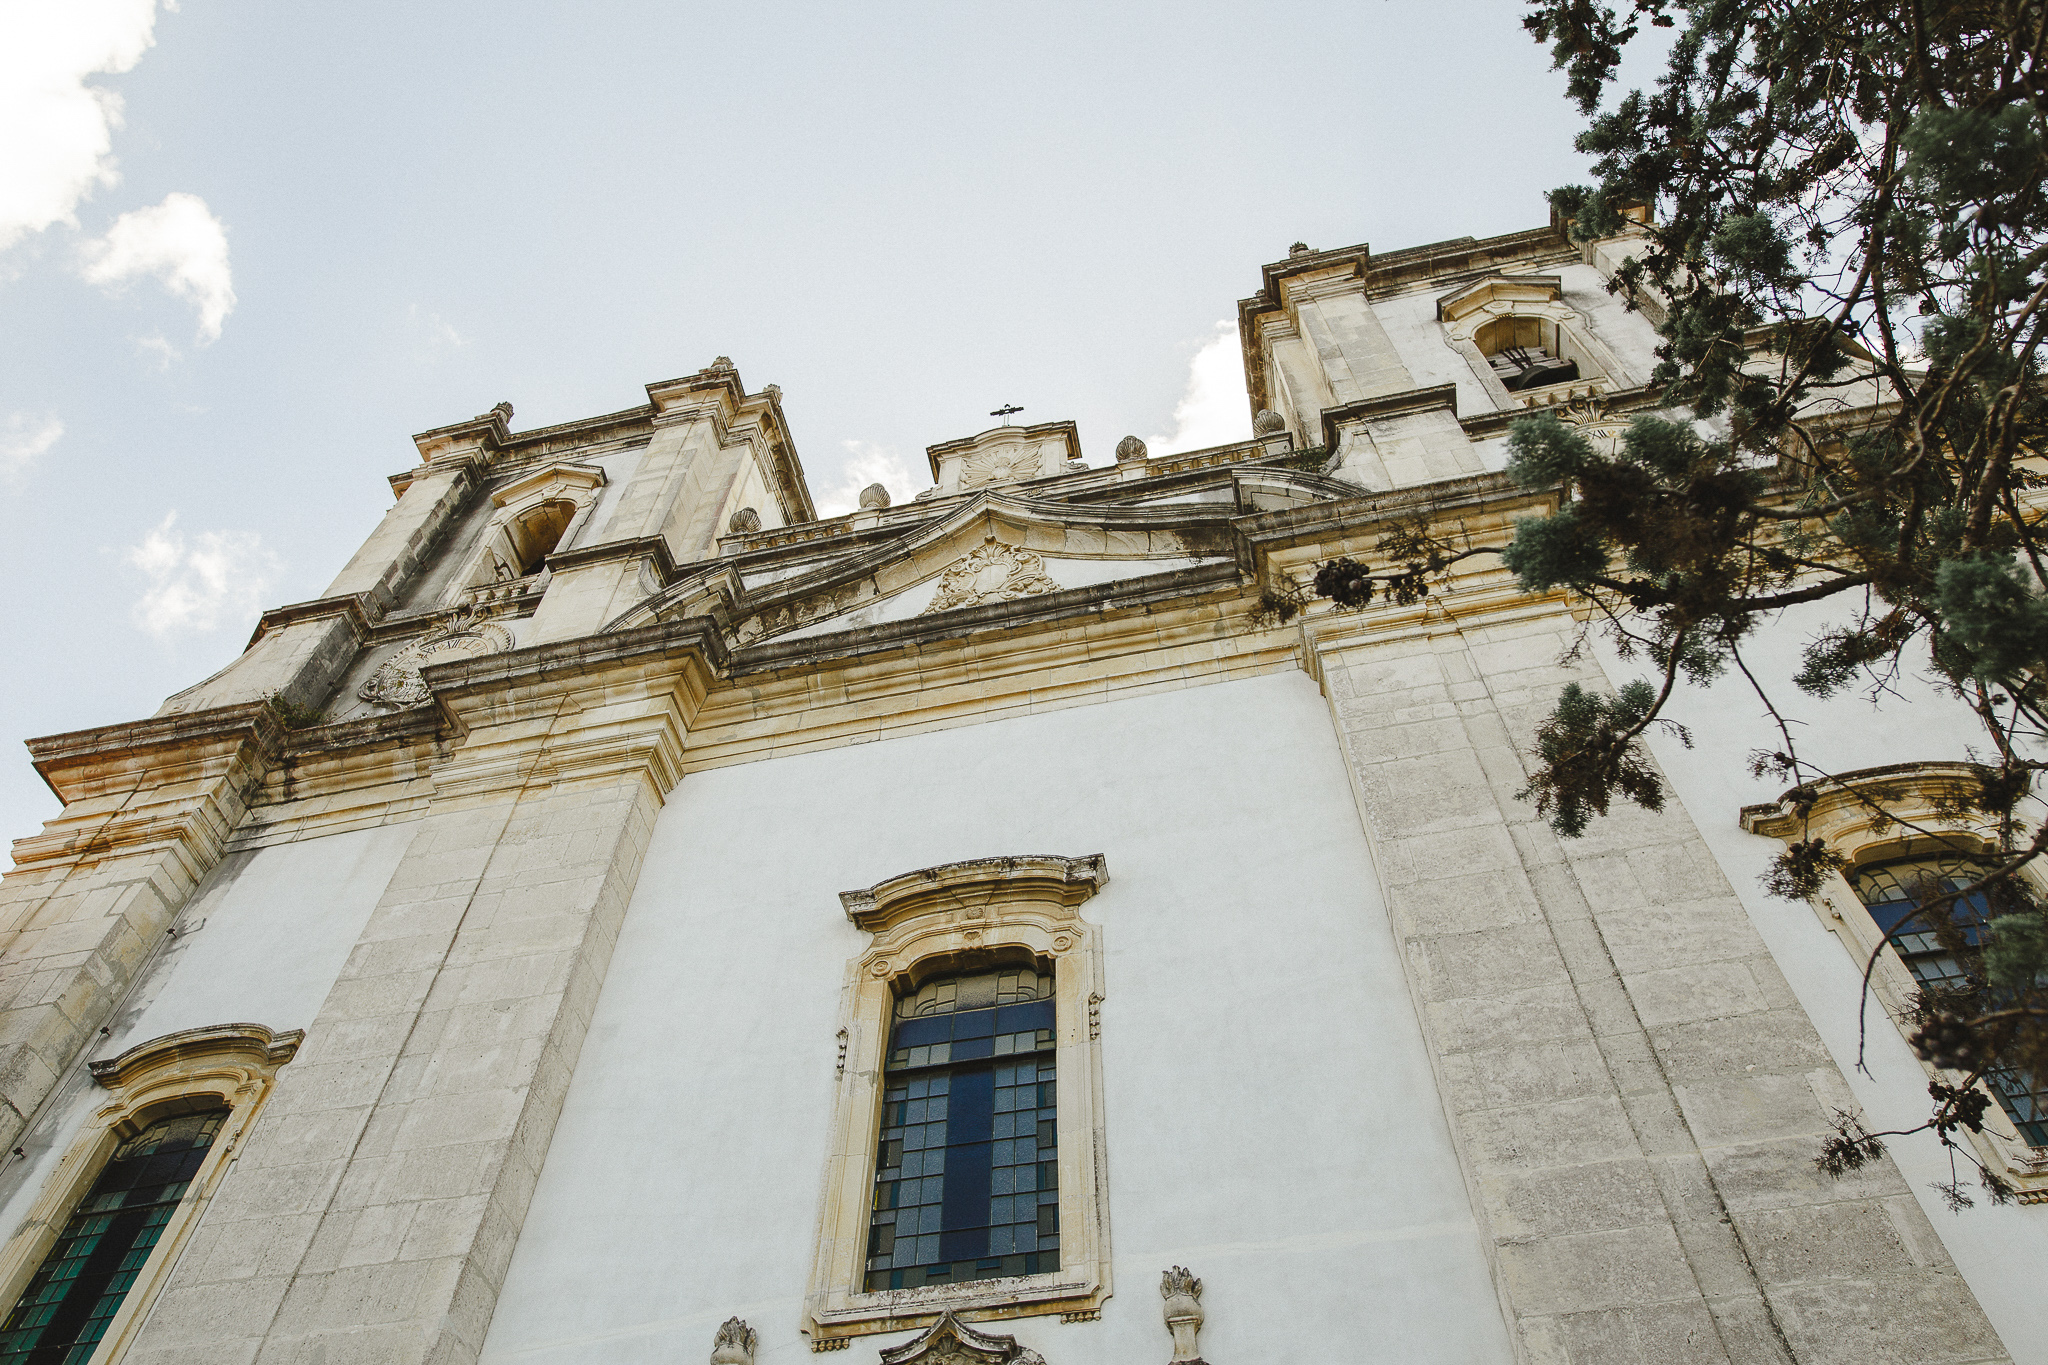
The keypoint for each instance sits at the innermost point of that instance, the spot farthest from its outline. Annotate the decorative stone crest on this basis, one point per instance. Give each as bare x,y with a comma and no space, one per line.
1130,450
873,498
744,521
1268,423
1005,463
992,572
734,1344
397,685
950,1341
1183,1295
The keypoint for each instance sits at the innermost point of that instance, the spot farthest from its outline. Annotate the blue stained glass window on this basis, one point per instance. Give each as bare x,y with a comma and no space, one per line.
1891,891
75,1293
966,1177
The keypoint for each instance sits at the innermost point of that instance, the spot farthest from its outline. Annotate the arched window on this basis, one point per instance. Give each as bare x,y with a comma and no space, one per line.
1892,891
75,1293
1526,352
967,1163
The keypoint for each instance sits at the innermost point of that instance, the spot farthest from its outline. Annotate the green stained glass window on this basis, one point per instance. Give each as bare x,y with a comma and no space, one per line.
967,1170
1892,892
75,1293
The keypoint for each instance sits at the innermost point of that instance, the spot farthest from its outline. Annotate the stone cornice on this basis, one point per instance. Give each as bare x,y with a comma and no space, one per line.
562,660
361,609
1388,405
1101,598
640,547
144,743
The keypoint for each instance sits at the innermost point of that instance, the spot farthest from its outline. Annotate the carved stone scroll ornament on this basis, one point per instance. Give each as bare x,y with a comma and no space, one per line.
950,1341
1183,1295
397,684
734,1344
992,572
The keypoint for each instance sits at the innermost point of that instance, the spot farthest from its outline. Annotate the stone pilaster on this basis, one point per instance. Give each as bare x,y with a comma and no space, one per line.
147,810
1635,1095
373,1211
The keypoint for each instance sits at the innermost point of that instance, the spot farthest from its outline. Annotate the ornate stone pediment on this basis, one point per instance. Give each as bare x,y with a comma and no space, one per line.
397,683
950,1341
991,572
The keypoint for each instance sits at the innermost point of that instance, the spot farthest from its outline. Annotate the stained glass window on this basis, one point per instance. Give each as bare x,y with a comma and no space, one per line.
967,1171
75,1293
1891,891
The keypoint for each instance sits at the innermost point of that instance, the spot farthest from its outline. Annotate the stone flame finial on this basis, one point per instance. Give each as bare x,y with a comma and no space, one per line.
734,1344
1183,1295
1268,423
874,498
1130,450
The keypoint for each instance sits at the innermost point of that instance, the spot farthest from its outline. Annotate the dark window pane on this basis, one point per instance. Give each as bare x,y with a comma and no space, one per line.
962,1187
75,1293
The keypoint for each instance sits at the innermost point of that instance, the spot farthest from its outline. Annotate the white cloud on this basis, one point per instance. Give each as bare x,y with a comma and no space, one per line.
196,585
436,333
865,463
179,242
56,132
1213,410
24,439
155,345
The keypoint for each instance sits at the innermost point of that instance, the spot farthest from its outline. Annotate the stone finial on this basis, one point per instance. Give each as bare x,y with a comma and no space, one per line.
1183,1295
874,498
1268,423
723,362
773,393
734,1344
1298,249
1130,450
504,410
743,521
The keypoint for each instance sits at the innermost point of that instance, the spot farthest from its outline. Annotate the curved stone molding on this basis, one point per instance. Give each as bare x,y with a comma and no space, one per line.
950,1341
219,1045
1845,812
397,684
972,884
992,572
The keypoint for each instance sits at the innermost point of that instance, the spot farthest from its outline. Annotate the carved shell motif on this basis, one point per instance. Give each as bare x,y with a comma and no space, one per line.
992,572
397,684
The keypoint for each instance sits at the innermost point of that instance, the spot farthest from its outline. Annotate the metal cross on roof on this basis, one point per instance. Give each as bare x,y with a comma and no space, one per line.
1004,412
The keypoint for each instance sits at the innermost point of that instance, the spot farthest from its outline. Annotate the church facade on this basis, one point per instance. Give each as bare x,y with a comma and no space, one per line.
629,919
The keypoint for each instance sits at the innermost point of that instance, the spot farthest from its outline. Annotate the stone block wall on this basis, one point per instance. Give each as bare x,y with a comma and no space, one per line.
1635,1095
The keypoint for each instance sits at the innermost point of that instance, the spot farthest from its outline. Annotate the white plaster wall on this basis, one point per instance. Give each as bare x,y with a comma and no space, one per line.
261,943
1630,336
619,468
1068,573
1271,1118
2000,1251
1410,320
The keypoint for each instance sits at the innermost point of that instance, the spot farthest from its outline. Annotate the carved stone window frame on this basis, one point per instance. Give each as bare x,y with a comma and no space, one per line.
948,918
576,484
1466,310
225,1064
1924,801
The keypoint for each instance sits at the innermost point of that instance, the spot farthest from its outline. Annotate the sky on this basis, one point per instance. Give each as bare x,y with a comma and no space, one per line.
247,250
